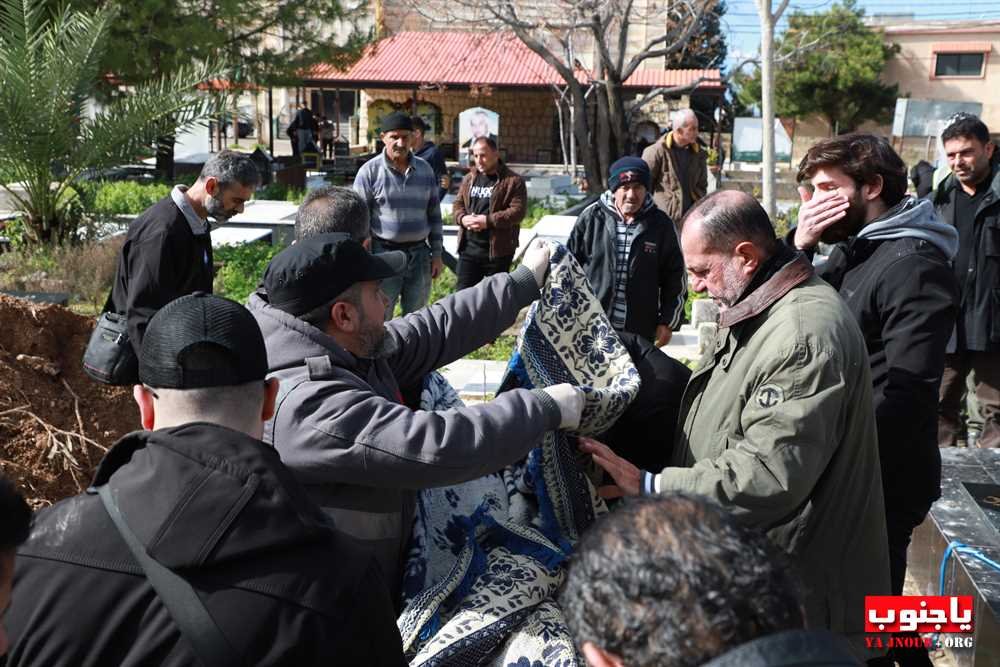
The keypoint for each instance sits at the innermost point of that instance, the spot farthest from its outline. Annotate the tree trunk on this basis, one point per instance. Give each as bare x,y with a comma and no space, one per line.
165,158
767,106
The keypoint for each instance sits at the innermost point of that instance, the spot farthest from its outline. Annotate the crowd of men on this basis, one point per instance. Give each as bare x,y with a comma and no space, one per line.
263,515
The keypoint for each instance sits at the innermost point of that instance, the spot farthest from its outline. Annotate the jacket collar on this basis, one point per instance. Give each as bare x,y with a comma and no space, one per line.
202,493
792,272
668,141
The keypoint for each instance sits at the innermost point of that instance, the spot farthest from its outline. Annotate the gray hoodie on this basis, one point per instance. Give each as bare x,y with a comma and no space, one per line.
913,218
340,424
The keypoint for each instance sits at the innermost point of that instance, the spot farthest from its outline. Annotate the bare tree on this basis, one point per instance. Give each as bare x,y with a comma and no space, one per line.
568,33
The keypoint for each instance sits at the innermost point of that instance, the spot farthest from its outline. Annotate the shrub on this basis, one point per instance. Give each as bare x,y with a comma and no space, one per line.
242,269
281,192
105,198
84,270
499,350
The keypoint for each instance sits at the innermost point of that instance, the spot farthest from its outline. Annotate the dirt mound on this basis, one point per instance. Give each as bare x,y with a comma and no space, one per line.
55,422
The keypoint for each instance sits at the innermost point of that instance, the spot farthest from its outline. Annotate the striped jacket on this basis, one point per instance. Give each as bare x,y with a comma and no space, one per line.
656,286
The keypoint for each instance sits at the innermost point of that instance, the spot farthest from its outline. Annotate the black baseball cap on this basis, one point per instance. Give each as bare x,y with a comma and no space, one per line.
192,322
315,270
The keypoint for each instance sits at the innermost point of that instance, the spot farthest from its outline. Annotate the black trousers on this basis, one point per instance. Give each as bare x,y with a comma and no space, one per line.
900,523
471,270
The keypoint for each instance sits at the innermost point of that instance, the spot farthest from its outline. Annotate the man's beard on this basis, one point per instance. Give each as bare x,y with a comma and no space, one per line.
376,343
850,224
734,283
217,209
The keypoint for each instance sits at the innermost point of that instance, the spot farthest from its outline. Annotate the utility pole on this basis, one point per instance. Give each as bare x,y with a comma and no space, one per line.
768,20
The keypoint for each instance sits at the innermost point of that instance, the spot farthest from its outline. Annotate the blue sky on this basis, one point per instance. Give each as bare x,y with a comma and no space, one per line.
743,33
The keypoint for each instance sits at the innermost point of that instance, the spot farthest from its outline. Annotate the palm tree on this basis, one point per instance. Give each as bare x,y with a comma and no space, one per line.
52,132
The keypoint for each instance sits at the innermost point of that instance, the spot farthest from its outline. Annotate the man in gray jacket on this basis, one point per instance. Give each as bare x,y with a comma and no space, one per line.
340,423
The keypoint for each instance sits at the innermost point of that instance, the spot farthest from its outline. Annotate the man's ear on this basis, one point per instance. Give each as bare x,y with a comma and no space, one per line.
367,244
270,398
598,657
345,317
144,399
872,191
212,186
990,147
749,256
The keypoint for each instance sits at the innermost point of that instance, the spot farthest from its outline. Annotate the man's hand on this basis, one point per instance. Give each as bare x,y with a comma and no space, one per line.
816,214
437,264
474,223
663,334
627,477
536,258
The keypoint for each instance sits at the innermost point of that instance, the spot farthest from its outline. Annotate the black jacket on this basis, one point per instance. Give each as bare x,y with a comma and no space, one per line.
219,508
644,434
790,648
902,293
657,282
162,259
980,288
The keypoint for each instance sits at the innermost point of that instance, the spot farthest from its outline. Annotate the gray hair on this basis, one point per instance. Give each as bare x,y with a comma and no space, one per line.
228,167
729,217
320,315
681,117
331,209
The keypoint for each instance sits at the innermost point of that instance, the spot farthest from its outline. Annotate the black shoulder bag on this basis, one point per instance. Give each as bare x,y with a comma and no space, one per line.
181,601
109,357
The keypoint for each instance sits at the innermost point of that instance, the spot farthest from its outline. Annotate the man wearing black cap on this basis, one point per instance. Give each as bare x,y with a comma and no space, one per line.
628,248
206,499
401,191
340,422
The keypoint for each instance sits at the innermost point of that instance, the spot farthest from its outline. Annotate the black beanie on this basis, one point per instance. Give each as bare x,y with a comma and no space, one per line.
629,170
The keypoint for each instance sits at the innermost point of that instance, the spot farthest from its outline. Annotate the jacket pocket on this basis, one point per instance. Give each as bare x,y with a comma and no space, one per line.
991,239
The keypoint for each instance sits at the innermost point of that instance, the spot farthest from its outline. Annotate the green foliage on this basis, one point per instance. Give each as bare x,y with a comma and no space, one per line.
443,285
499,350
155,37
50,132
242,269
121,197
692,296
280,192
783,222
85,270
838,80
707,47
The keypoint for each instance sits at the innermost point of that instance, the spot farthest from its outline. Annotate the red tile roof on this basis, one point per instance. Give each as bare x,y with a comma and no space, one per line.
471,58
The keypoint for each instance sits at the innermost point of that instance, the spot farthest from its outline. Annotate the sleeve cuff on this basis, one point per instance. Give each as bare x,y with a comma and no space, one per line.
551,408
525,288
650,483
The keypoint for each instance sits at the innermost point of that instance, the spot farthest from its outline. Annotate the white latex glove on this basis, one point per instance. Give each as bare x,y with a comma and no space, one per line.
570,401
536,258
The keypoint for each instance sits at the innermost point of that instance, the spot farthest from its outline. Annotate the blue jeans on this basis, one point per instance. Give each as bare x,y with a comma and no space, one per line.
413,286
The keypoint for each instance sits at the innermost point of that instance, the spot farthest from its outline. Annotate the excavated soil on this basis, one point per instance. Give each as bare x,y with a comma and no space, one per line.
55,422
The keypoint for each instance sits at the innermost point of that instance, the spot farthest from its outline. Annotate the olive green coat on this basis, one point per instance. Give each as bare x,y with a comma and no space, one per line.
777,424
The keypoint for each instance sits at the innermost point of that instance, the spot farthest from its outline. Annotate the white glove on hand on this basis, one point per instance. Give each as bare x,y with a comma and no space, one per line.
570,401
536,258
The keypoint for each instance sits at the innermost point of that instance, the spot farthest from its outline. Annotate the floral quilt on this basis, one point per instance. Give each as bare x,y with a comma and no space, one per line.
487,556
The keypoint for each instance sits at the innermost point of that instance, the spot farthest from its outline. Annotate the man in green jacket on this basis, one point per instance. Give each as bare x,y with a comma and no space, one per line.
777,423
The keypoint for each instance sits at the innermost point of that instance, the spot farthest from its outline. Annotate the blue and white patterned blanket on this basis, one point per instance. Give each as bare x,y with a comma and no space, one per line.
487,556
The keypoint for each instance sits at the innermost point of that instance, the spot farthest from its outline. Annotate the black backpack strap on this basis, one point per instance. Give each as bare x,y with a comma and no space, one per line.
180,599
110,303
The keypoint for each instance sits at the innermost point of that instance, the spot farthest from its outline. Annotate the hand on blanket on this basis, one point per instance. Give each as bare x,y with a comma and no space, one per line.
536,258
570,401
627,477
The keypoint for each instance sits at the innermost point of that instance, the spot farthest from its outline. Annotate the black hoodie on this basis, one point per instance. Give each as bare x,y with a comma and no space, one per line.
219,508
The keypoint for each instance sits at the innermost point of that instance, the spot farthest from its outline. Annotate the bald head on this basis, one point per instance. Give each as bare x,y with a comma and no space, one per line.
728,217
725,238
